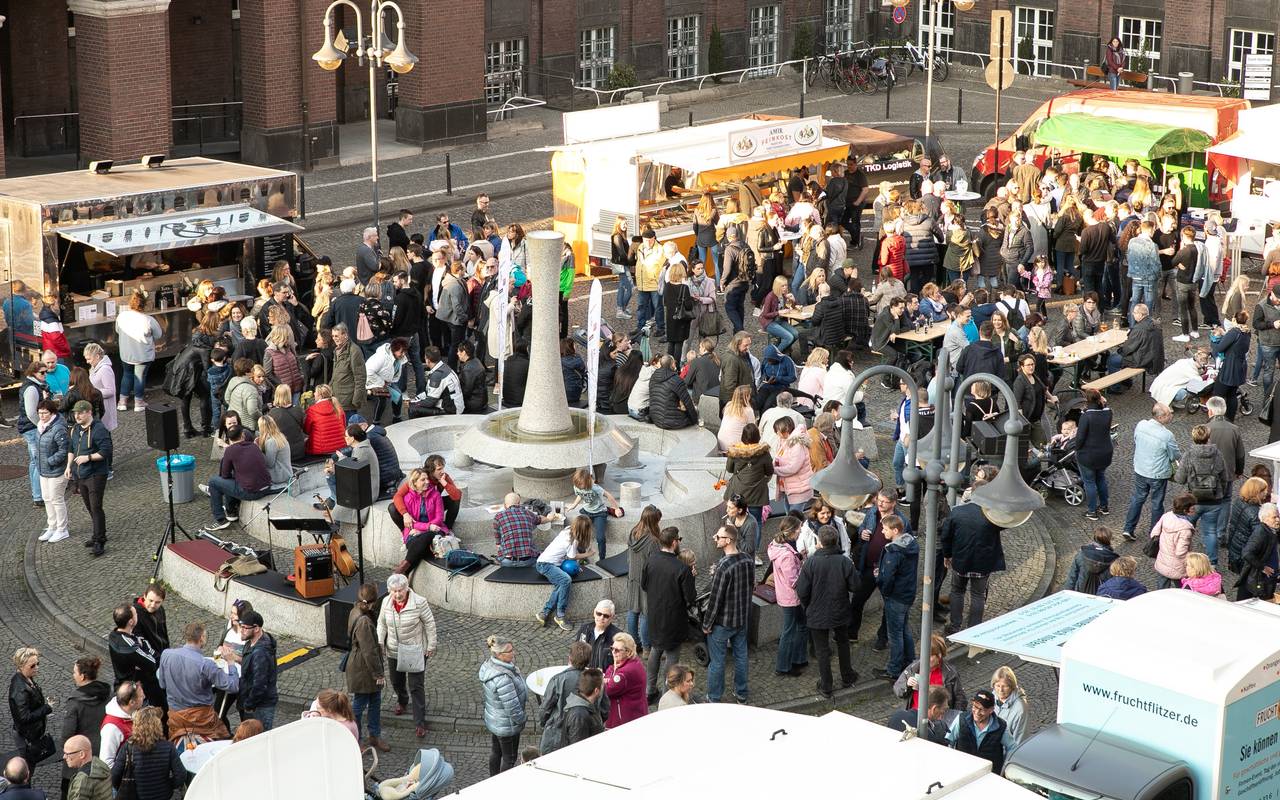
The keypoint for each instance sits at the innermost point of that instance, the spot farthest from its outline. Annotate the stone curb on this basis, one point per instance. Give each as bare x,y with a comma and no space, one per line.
814,703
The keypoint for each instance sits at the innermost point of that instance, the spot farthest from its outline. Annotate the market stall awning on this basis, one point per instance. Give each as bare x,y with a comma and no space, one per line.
169,231
1085,133
864,141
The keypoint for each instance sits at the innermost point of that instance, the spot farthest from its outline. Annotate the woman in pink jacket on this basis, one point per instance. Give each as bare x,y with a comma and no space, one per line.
792,466
1175,530
793,653
423,519
624,683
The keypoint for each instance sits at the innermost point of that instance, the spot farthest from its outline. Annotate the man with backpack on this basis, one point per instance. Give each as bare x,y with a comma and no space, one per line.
738,266
1205,474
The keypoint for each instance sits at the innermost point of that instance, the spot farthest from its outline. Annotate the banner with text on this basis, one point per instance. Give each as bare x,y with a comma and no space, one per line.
780,138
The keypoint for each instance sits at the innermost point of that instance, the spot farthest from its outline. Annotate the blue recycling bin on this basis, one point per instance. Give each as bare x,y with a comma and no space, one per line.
183,469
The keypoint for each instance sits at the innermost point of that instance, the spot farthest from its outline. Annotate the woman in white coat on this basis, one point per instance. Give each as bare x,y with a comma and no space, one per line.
137,333
103,379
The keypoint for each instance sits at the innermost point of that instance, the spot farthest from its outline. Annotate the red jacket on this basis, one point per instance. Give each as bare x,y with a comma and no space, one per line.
625,688
893,254
326,429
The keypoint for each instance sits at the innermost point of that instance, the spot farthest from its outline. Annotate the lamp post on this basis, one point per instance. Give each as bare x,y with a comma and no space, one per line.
960,5
380,52
1007,501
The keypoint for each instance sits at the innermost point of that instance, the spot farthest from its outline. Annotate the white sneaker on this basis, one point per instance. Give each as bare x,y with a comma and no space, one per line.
122,406
204,487
140,405
1182,338
59,536
623,315
1195,334
418,398
44,537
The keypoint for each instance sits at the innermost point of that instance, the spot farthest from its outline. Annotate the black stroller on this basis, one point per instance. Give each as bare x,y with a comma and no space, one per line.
696,636
1057,470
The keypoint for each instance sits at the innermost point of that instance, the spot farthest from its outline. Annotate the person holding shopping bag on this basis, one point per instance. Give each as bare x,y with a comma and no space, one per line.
407,633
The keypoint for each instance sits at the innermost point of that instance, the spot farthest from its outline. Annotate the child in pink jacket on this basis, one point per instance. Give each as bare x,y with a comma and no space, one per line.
1041,279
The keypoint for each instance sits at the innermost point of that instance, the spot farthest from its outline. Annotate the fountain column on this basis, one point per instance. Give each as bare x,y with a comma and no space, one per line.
546,410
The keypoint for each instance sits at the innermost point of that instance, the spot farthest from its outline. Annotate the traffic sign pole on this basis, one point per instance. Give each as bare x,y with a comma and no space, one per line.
995,168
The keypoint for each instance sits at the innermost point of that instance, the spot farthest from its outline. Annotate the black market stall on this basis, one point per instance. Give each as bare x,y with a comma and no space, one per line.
84,241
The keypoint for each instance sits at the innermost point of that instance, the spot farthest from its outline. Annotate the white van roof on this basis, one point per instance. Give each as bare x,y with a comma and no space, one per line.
1186,642
698,751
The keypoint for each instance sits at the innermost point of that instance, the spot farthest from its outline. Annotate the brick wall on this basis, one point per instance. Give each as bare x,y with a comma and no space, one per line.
40,78
451,69
271,68
202,64
122,70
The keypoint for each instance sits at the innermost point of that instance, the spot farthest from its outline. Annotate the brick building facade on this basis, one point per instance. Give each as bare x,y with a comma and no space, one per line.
122,78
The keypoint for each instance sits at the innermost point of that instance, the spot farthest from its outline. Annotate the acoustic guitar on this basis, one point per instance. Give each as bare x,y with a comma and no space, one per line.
342,560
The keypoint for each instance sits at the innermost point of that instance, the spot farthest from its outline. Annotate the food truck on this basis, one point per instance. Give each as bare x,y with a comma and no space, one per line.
1249,165
1215,116
1172,695
615,161
84,240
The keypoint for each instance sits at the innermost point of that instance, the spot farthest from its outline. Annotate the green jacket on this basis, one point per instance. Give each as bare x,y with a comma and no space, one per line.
92,785
566,276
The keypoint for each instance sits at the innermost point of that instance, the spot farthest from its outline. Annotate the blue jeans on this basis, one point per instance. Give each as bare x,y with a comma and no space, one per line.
626,288
515,562
264,714
1113,80
1212,516
1096,493
1142,487
133,380
786,334
798,275
1066,265
373,702
1144,293
419,372
899,462
638,627
793,643
1268,356
560,581
33,462
735,306
220,488
981,282
649,306
901,645
599,522
953,276
718,642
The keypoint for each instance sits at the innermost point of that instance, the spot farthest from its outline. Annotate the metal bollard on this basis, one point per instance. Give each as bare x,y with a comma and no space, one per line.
690,119
448,174
960,106
888,95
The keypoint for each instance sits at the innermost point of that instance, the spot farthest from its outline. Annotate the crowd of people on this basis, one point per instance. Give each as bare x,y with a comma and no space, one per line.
308,373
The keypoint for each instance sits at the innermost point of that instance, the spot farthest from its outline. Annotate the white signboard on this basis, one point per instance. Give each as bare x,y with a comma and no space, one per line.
780,138
594,304
1257,76
611,122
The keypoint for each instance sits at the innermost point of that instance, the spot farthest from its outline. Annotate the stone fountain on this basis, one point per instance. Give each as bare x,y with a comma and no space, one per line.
544,440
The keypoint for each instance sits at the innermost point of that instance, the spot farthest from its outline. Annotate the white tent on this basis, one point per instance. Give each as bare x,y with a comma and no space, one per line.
1247,154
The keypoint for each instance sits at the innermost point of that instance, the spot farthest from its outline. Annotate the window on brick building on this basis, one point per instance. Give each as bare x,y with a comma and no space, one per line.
762,38
682,46
1035,26
503,70
1248,43
1145,36
235,9
595,56
946,25
839,19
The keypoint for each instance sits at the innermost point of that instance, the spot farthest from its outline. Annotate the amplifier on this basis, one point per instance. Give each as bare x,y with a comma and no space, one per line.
313,570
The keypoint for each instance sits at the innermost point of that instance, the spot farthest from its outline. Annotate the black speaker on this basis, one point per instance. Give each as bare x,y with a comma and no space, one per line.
338,614
990,442
352,479
162,427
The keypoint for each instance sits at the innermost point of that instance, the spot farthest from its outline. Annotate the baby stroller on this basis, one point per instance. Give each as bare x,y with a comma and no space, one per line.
429,776
1194,401
1057,470
696,636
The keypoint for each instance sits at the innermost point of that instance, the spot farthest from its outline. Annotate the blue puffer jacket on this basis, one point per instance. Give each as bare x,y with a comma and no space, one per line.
922,250
504,697
898,564
53,442
777,367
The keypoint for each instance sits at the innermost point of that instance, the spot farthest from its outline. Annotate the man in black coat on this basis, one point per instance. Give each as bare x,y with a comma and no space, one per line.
981,356
971,549
515,374
406,323
939,704
599,634
825,583
1143,348
669,593
472,376
832,318
670,405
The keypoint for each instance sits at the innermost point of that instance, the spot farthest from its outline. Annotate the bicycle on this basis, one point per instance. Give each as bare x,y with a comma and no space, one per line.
823,66
877,69
913,58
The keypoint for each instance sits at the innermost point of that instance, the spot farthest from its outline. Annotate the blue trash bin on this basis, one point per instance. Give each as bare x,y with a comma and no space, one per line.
183,469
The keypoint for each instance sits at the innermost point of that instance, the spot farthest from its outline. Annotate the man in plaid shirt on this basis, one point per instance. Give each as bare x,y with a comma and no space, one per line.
513,529
727,614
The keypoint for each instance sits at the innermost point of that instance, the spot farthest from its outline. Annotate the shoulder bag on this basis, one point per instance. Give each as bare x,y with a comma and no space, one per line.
128,785
409,657
1151,548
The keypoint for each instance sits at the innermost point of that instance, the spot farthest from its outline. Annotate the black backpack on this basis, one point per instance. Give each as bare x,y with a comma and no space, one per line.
1203,480
1012,315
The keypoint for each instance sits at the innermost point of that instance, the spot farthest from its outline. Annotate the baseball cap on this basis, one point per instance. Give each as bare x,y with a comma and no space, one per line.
255,619
82,405
984,698
356,419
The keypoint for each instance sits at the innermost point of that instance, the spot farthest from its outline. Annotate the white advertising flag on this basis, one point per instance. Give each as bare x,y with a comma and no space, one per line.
504,285
593,356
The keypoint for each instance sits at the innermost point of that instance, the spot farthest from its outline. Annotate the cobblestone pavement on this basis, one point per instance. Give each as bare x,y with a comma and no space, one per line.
79,591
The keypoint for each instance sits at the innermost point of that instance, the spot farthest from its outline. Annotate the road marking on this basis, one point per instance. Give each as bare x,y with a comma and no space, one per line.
455,164
287,657
433,193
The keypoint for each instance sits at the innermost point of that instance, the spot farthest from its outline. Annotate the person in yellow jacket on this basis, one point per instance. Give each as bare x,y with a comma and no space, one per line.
650,259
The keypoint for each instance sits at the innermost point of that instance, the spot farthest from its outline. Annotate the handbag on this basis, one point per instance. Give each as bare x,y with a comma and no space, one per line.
710,325
1151,548
236,567
410,658
1260,584
128,789
684,306
40,749
1264,414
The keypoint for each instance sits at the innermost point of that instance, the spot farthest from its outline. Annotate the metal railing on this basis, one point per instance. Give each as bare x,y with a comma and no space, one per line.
513,104
46,134
208,127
